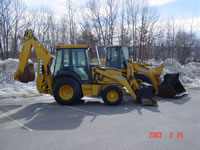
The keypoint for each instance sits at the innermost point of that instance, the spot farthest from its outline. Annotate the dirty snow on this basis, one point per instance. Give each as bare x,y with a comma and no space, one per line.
189,75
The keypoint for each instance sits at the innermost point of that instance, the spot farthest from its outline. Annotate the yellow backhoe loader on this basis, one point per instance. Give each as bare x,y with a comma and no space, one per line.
75,75
119,57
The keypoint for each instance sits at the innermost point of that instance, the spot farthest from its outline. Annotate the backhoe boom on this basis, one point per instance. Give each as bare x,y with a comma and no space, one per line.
44,78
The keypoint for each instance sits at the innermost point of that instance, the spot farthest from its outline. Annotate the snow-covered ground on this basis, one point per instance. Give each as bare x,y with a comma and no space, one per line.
189,75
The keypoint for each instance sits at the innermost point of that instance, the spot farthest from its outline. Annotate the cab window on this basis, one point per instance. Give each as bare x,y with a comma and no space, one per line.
113,57
79,62
66,60
58,61
79,58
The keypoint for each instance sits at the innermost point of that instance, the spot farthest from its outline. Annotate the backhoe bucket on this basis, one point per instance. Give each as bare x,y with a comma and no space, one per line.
28,75
171,87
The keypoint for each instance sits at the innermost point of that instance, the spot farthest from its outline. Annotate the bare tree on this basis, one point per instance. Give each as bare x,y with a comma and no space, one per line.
124,35
45,27
184,44
71,22
86,36
64,33
96,20
103,20
18,25
5,28
11,22
146,31
132,7
170,38
111,17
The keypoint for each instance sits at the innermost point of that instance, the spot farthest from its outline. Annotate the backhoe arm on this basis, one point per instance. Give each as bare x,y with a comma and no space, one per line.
44,78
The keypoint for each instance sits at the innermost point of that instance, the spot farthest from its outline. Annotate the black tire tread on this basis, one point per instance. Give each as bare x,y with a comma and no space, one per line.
112,87
77,90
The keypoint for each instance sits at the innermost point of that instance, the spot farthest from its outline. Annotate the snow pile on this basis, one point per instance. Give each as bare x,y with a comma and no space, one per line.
9,87
7,69
9,65
172,66
17,89
189,73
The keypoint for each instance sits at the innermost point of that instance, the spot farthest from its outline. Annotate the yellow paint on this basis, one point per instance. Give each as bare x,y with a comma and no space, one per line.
66,92
62,45
114,76
91,89
112,96
43,81
152,73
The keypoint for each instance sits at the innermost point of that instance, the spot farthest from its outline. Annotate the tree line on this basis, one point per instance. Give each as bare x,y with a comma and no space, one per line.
98,22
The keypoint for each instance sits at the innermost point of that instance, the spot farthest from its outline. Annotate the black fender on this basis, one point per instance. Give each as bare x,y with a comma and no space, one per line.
68,74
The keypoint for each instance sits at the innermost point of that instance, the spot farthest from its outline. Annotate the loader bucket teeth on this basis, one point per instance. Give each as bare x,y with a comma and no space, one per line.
171,87
28,75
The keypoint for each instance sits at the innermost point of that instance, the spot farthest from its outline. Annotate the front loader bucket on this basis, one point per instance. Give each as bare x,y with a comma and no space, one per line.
28,74
171,87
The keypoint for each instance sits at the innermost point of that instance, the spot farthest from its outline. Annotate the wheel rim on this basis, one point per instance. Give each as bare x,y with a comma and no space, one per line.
112,96
66,92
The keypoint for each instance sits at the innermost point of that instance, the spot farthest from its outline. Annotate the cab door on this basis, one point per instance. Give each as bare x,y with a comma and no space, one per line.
80,64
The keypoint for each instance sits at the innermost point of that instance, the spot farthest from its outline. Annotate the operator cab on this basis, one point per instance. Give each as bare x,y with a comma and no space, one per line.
117,56
76,61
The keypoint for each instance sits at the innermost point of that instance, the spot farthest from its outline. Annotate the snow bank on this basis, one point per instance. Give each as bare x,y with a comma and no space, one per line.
189,73
9,65
9,87
7,69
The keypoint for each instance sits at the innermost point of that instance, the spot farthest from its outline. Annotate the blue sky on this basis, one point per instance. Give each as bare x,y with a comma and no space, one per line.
180,8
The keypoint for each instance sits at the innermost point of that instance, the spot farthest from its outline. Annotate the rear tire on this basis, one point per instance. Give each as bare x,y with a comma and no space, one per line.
67,91
112,95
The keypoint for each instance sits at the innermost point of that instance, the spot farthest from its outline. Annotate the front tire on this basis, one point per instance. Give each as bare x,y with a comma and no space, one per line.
67,91
112,95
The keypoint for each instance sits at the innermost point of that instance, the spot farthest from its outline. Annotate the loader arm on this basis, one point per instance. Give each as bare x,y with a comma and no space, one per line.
153,74
44,58
115,76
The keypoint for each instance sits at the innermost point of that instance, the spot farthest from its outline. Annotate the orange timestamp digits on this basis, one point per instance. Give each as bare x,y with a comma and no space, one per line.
158,135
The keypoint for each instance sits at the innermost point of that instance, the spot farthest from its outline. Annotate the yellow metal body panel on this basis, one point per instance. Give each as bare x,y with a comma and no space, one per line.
60,46
108,76
91,89
103,77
